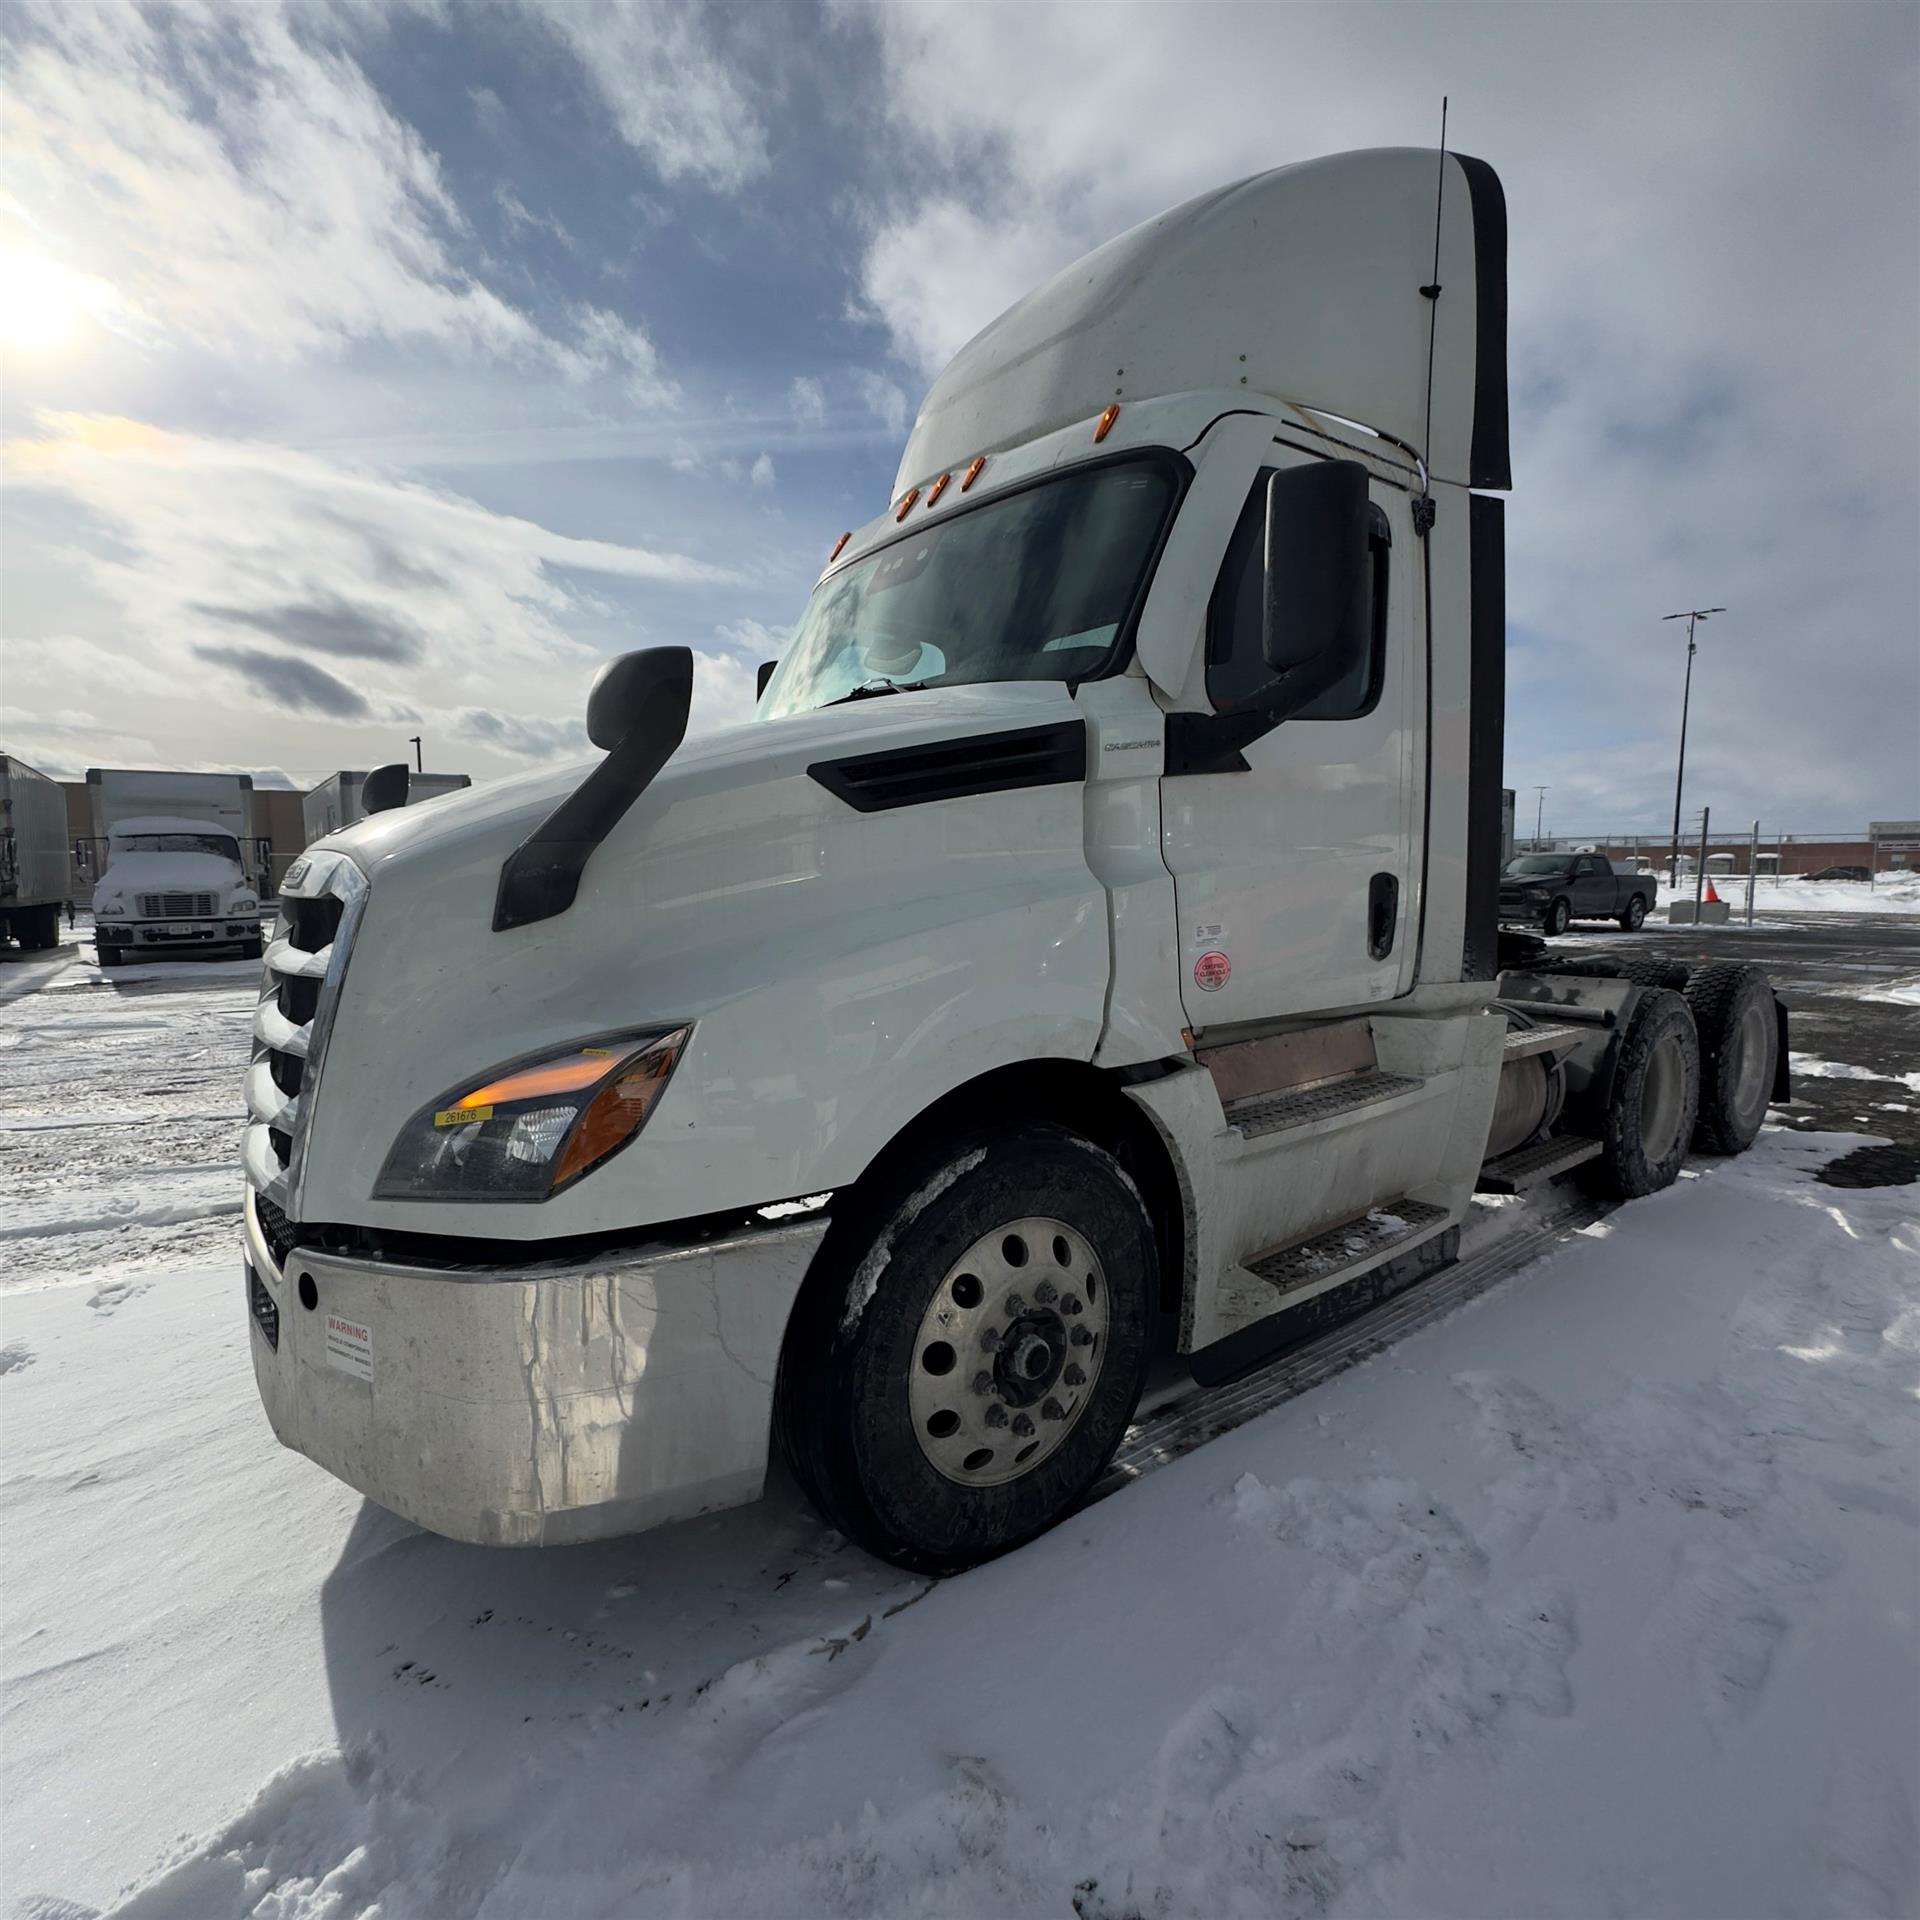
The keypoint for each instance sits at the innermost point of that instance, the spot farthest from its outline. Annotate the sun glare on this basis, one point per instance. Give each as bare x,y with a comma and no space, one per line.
45,307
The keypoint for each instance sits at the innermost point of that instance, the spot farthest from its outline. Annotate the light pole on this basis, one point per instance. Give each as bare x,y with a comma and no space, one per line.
419,765
1679,778
1539,808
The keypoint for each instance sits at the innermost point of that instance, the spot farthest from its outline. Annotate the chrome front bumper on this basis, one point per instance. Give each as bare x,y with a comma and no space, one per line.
537,1405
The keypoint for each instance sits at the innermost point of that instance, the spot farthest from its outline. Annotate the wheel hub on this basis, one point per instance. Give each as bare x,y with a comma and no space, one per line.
1008,1352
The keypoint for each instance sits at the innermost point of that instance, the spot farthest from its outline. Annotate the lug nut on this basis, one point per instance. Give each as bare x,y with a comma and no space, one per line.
990,1340
1015,1306
983,1381
1081,1337
1071,1304
996,1415
1022,1424
1046,1293
1051,1409
1073,1376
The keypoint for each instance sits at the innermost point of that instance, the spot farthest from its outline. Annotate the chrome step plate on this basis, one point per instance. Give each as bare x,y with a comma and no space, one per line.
1264,1113
1526,1167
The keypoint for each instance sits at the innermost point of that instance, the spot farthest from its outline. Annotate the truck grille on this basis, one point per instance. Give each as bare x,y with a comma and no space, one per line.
319,911
175,906
266,1312
275,1228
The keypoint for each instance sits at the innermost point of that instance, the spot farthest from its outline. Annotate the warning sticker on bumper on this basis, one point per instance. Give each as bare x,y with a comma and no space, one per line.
350,1346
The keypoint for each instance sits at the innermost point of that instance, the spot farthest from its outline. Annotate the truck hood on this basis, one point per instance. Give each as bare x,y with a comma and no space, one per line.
162,872
736,880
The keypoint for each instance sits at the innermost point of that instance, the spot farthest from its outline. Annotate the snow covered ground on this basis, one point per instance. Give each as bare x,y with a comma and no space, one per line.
1892,892
1597,1597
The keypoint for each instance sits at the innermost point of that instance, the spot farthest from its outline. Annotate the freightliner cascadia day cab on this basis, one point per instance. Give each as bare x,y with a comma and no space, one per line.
1087,948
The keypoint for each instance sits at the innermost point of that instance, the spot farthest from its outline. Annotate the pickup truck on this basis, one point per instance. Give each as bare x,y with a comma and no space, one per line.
1552,890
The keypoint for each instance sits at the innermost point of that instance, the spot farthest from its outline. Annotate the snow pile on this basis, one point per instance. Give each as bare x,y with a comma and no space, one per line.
1891,892
1595,1596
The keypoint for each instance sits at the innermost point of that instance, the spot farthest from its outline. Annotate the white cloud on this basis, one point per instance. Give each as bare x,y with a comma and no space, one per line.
342,593
606,343
672,92
761,472
808,399
885,401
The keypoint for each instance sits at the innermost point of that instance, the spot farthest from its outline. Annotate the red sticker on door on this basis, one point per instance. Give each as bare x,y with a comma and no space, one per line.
1210,971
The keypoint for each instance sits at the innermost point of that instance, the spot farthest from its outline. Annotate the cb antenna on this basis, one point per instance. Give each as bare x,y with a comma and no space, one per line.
1423,510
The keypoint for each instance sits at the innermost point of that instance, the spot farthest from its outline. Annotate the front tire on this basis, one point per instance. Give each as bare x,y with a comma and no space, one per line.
959,1373
1655,1100
1559,918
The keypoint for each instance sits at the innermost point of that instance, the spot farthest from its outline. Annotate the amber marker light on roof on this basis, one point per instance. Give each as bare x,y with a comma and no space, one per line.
839,546
938,488
973,471
906,505
1106,423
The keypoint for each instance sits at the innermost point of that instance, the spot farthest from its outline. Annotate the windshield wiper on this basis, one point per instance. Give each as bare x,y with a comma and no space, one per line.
874,692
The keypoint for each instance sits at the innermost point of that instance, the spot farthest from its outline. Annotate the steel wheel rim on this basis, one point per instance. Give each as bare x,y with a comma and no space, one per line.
1660,1099
1750,1044
1008,1352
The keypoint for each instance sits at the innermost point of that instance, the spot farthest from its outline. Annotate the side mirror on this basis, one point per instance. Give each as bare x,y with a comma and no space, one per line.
762,676
385,788
650,688
1318,611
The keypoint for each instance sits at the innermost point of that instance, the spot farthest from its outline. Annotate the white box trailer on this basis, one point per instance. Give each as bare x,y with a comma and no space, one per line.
33,854
336,802
1088,947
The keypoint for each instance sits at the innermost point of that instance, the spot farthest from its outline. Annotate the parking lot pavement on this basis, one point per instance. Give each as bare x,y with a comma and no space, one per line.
1840,976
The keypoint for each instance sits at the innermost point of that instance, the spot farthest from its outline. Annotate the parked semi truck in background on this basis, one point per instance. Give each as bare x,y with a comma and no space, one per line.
33,854
337,801
1088,948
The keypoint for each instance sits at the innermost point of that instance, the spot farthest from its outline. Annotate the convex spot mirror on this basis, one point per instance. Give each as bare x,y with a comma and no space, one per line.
385,788
1318,615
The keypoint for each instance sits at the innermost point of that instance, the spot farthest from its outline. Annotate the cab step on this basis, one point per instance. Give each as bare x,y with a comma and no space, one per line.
1297,1272
1526,1167
1259,1114
1521,1041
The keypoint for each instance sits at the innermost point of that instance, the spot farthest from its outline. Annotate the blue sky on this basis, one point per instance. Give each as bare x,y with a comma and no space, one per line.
375,368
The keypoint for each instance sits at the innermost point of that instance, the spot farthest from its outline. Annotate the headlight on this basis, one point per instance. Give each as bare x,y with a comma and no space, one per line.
245,903
529,1129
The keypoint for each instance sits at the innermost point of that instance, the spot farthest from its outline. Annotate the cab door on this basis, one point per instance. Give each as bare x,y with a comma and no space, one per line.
1592,888
1296,869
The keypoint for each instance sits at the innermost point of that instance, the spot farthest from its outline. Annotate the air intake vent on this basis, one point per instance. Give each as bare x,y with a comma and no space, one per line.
954,769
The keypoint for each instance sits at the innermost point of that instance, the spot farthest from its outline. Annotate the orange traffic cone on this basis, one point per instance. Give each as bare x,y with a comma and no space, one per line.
1713,899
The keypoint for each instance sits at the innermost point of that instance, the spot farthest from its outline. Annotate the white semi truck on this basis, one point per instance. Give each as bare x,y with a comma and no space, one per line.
33,854
338,801
1087,949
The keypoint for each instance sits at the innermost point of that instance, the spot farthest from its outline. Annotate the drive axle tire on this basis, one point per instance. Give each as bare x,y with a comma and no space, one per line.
1635,916
959,1372
1558,918
1739,1045
1654,1102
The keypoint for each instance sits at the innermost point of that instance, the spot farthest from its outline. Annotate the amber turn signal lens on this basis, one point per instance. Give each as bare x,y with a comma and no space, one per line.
617,1112
1106,423
538,1083
906,505
973,471
938,488
838,545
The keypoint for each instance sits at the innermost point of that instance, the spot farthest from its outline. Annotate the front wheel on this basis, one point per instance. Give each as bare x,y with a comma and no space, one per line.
1635,916
1559,918
958,1374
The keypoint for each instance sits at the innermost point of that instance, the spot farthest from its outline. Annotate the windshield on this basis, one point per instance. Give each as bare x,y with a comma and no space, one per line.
1539,863
214,843
1033,586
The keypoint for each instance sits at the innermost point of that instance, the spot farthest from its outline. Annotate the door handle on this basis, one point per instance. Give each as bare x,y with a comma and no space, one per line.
1383,904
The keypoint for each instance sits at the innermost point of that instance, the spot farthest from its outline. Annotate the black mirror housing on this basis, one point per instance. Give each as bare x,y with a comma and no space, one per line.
1318,608
385,788
762,674
650,688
